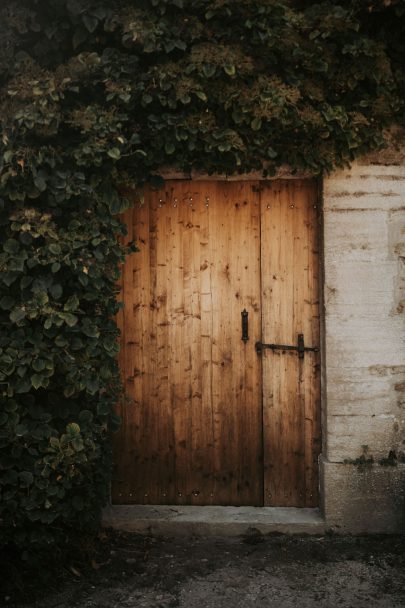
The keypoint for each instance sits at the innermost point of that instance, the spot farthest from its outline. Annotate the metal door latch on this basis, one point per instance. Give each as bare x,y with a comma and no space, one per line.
245,325
300,348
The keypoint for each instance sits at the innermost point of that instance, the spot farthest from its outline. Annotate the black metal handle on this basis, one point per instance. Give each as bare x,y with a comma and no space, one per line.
300,348
245,325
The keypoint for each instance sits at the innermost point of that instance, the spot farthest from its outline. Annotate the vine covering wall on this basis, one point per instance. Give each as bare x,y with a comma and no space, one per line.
95,95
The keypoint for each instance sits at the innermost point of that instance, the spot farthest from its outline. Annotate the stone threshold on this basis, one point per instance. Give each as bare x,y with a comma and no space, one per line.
212,520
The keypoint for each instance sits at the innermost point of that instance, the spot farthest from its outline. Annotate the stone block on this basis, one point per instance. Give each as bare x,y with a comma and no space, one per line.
363,499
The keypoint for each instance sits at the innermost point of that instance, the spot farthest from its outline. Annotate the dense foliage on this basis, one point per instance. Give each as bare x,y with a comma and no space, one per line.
96,95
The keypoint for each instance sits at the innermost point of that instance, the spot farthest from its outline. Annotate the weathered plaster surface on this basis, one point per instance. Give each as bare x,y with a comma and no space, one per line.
364,235
364,257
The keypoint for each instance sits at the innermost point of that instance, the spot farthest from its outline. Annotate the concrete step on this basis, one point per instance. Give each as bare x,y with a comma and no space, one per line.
212,521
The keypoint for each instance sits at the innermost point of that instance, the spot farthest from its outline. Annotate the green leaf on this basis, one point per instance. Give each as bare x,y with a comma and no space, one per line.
26,479
86,416
61,341
54,442
55,248
56,291
6,302
90,22
26,238
37,381
209,70
73,428
55,267
18,314
114,153
21,430
89,329
230,70
11,406
147,99
256,124
271,153
23,385
41,298
38,365
71,304
8,156
17,262
77,444
169,147
8,278
92,385
11,246
40,183
69,391
70,319
25,282
103,408
201,95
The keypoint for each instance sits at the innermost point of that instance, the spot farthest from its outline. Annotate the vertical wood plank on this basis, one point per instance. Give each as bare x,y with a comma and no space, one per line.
235,255
291,386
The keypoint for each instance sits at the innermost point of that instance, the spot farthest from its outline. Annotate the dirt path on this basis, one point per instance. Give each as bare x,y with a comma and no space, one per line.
264,572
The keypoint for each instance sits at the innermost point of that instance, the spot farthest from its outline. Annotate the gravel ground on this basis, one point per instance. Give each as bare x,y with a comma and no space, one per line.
270,572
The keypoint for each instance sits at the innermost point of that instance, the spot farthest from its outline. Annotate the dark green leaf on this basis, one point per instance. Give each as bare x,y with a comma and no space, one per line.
256,124
26,478
86,416
56,291
11,246
37,380
6,302
55,248
21,430
169,148
18,314
69,318
114,153
230,70
40,183
91,22
103,409
38,365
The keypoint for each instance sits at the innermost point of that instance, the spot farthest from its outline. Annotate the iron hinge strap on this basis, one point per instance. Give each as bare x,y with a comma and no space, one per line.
300,348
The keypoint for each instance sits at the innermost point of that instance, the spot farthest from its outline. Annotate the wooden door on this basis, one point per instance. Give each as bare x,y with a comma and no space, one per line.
209,420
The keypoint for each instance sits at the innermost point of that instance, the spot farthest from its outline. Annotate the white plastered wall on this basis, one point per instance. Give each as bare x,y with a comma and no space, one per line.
364,291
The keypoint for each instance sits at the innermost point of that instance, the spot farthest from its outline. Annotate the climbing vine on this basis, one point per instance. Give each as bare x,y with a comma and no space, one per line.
97,95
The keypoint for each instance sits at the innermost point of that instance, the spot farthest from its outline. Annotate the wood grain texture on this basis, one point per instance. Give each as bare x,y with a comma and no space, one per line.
209,421
193,432
290,306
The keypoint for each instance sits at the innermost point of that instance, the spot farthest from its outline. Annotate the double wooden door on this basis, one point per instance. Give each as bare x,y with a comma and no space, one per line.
212,418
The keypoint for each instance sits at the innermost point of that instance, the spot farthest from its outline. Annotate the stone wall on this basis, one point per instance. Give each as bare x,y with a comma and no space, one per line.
364,388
